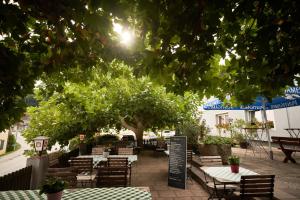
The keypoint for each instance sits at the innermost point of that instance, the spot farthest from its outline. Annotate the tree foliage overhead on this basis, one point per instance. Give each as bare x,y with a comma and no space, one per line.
108,100
179,43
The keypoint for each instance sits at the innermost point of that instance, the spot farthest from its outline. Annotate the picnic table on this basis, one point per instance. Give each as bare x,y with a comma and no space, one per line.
116,193
294,132
288,145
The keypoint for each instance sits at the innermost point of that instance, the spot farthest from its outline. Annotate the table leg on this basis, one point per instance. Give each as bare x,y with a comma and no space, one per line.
288,156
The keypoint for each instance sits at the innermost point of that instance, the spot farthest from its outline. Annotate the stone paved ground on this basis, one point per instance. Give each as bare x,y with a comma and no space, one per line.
152,170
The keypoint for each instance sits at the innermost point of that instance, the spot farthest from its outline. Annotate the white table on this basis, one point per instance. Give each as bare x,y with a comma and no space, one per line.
99,158
224,175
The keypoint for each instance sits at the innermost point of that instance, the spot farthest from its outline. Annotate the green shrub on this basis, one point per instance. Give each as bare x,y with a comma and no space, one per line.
106,139
216,140
11,142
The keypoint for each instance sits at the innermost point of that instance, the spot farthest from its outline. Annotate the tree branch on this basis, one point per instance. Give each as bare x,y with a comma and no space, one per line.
126,125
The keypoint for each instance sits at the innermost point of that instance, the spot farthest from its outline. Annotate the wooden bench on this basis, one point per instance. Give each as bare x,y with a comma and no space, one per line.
210,160
287,145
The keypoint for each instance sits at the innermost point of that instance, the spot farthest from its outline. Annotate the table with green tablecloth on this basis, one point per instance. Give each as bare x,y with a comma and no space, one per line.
116,193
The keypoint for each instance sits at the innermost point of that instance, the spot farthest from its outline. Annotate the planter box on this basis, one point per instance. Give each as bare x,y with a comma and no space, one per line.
223,150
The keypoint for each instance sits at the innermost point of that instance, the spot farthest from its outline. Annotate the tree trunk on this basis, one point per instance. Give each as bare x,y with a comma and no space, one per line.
138,129
139,137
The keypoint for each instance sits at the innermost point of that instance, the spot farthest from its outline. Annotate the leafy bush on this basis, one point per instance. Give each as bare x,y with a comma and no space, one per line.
106,139
216,140
193,131
74,143
11,142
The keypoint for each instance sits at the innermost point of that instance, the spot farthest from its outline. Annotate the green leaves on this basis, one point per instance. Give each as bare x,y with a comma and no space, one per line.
99,102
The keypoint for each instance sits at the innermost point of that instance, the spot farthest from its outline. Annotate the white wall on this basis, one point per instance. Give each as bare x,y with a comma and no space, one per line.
278,116
210,117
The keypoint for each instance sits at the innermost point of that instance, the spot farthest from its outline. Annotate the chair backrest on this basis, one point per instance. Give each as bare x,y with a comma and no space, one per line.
257,186
67,174
82,164
125,151
189,156
97,150
210,160
112,177
117,162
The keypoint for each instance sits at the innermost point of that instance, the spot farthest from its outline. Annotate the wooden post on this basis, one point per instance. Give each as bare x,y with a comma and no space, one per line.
39,168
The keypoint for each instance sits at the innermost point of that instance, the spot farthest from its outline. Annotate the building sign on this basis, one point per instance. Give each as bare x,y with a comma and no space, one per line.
177,162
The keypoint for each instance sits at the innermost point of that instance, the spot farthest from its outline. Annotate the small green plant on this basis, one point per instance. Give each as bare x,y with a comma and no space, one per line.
234,160
53,185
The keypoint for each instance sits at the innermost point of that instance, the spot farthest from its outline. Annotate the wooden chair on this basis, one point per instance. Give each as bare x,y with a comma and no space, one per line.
67,174
120,162
210,160
257,186
84,168
189,159
125,151
112,177
97,150
218,190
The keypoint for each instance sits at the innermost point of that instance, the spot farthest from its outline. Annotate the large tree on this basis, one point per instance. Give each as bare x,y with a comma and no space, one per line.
108,101
179,43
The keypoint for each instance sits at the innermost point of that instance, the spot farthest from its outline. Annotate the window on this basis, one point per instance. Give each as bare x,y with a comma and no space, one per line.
1,144
222,119
252,116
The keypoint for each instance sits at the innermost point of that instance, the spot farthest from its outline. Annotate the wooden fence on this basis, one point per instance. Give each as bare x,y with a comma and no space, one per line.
18,180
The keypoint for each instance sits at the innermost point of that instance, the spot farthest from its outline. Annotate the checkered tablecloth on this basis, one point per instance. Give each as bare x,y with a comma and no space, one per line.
224,174
99,158
121,193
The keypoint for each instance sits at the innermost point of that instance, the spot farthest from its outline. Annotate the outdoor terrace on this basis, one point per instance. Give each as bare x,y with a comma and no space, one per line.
152,170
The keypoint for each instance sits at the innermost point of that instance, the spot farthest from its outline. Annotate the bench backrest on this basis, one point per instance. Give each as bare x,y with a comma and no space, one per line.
125,151
112,176
97,150
82,164
257,186
211,160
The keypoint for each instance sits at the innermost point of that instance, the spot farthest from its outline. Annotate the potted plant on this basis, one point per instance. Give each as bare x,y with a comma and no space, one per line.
53,188
234,162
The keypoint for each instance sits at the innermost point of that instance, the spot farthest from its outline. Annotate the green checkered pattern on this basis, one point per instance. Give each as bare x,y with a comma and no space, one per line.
126,193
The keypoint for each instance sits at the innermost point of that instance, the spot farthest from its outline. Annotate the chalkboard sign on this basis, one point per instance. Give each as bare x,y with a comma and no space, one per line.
177,162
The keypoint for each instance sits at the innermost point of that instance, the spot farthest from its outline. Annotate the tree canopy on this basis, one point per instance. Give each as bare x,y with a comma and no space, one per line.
111,100
178,43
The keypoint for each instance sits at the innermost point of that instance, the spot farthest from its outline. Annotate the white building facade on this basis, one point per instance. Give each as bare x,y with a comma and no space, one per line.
282,118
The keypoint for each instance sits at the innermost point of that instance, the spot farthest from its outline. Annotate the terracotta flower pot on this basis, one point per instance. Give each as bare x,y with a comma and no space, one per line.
234,168
55,196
